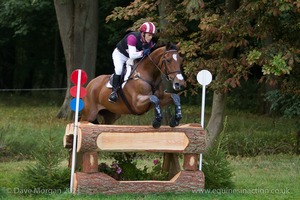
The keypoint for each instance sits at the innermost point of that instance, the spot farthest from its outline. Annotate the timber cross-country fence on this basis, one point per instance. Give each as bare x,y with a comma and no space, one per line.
187,139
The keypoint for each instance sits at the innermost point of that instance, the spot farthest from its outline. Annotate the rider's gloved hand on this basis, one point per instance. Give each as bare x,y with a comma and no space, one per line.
146,52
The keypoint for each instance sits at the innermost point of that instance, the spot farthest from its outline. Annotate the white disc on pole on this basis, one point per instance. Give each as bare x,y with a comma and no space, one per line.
204,77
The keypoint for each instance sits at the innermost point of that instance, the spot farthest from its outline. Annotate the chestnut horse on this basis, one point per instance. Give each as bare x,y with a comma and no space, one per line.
141,91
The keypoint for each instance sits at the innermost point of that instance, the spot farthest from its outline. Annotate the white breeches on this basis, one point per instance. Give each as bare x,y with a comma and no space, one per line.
119,59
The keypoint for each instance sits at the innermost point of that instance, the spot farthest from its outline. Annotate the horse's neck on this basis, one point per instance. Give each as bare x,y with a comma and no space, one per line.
151,67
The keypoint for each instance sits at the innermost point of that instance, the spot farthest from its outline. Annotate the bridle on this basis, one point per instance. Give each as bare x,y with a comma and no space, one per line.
164,62
161,64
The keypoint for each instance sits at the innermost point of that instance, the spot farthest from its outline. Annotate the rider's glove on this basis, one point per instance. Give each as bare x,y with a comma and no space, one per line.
146,52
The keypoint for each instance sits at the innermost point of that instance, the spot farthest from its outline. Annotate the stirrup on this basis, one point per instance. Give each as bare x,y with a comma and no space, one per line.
113,97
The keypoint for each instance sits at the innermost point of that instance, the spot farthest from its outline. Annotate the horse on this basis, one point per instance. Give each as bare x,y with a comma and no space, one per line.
142,90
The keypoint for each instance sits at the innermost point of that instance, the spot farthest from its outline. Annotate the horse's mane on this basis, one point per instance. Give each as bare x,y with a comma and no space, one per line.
169,46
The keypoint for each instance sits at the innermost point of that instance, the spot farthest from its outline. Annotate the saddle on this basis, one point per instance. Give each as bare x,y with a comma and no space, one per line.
126,73
124,76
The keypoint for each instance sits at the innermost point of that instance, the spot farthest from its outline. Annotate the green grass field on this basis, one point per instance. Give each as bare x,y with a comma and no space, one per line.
269,174
261,177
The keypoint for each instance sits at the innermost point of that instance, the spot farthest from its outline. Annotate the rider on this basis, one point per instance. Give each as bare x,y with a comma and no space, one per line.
133,46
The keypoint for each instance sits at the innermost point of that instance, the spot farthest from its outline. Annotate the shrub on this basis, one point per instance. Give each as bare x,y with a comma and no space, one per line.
45,174
217,170
216,167
125,168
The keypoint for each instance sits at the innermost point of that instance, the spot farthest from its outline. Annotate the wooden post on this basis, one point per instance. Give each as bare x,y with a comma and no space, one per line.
90,162
190,162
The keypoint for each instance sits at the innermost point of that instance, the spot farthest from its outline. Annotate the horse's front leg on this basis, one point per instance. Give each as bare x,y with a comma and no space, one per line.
158,116
178,115
168,98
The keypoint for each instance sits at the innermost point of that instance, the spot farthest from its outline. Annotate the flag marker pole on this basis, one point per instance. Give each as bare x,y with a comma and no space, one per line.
75,132
204,77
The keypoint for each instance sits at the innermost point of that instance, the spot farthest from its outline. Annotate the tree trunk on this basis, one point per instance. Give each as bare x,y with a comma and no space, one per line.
78,26
215,124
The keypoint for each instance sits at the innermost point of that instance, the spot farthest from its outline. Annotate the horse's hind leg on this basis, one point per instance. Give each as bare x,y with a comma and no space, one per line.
158,116
89,115
107,117
175,119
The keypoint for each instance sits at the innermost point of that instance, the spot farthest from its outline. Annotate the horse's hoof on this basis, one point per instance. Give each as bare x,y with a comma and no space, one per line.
174,122
156,123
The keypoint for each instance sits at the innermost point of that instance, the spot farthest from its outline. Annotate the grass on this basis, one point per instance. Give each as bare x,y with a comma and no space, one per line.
261,177
23,121
268,177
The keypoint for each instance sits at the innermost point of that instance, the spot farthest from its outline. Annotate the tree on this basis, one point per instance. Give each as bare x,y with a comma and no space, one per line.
28,31
227,38
232,39
78,26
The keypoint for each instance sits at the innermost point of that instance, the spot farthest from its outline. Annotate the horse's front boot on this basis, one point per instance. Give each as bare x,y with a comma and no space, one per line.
178,115
158,116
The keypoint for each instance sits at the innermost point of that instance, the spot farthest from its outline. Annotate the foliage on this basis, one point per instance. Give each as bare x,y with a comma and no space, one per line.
125,168
258,34
3,194
17,15
113,170
246,98
156,172
285,104
277,66
253,56
110,35
30,46
46,174
217,170
226,38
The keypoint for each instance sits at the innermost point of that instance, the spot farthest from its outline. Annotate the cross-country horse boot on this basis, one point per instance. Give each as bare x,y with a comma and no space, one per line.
158,116
175,119
115,84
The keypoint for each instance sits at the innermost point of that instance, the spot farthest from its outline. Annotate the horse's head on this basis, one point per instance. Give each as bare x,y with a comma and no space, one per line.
170,64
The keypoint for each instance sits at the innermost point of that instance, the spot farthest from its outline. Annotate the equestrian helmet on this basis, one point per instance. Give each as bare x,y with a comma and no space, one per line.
148,27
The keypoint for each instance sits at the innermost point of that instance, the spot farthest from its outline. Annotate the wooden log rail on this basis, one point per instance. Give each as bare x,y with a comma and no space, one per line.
188,139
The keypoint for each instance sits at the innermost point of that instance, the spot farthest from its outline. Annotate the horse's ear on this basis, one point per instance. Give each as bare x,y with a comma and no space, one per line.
178,45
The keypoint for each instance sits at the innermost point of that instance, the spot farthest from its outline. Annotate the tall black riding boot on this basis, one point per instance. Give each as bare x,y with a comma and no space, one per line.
115,84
